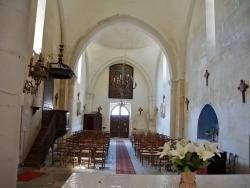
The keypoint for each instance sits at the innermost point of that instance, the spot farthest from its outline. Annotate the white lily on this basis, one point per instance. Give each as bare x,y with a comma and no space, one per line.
166,149
191,147
213,147
206,143
180,150
203,153
196,144
168,143
184,142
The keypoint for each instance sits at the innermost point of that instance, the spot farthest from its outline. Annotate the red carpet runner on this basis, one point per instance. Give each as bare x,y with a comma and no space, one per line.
29,175
123,162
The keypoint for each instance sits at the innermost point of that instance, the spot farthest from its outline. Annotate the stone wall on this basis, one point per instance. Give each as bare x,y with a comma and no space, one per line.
227,67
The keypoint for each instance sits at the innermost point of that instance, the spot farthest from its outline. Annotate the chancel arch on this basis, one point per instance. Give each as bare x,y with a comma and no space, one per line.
164,45
162,41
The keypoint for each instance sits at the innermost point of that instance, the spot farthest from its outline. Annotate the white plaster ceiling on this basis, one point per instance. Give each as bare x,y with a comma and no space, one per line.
123,36
167,21
169,17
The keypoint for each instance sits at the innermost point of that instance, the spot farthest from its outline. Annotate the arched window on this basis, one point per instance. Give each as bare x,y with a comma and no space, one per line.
210,29
120,110
38,36
164,71
208,128
79,70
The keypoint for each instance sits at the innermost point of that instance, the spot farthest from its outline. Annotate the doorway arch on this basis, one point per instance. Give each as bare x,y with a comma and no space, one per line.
208,128
119,121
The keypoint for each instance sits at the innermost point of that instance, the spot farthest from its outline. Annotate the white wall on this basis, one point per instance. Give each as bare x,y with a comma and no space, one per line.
229,65
77,115
163,88
14,38
140,99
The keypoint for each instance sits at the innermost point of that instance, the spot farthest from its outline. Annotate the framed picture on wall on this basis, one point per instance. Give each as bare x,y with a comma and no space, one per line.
115,73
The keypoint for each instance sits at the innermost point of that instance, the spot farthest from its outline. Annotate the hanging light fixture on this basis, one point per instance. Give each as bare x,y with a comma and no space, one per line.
124,81
59,70
37,72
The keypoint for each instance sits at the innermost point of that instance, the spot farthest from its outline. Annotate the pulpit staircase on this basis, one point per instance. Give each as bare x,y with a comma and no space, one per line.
54,125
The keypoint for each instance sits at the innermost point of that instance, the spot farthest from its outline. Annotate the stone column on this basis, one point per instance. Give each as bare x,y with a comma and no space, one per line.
177,109
179,132
152,118
173,93
14,21
71,105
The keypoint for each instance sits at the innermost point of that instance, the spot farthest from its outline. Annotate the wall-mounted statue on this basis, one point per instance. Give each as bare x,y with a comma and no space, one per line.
79,104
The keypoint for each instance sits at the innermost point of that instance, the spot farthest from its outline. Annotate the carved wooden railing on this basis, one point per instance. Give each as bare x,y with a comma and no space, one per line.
48,138
54,125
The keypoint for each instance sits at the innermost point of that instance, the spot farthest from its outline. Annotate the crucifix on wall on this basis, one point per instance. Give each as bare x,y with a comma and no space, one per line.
140,110
187,102
206,76
99,109
56,98
243,87
78,94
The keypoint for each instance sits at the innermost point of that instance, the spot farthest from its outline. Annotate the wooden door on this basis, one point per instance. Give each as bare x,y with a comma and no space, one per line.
90,123
93,121
119,126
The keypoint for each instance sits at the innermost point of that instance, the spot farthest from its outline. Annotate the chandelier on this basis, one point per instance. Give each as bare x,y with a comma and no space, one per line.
124,82
59,70
39,71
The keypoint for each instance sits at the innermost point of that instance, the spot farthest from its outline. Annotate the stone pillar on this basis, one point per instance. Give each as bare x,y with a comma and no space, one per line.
63,95
71,105
14,21
179,132
177,109
152,118
173,93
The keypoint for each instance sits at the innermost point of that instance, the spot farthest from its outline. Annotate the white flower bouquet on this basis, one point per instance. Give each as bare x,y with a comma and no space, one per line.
187,156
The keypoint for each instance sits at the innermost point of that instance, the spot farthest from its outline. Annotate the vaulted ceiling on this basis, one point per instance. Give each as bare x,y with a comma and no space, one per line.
170,18
123,36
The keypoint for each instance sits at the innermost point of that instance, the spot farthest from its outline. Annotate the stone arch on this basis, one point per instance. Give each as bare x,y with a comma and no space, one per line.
129,62
208,122
165,45
161,40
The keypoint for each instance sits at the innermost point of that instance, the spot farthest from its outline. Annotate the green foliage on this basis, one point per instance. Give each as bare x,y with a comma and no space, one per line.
190,163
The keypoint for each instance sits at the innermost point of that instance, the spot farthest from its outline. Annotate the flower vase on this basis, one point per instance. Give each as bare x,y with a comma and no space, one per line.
187,180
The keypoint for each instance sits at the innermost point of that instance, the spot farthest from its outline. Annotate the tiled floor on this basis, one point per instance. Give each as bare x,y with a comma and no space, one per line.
56,175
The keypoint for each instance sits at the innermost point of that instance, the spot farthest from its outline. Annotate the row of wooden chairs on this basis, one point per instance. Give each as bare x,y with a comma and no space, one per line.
147,148
81,149
231,163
